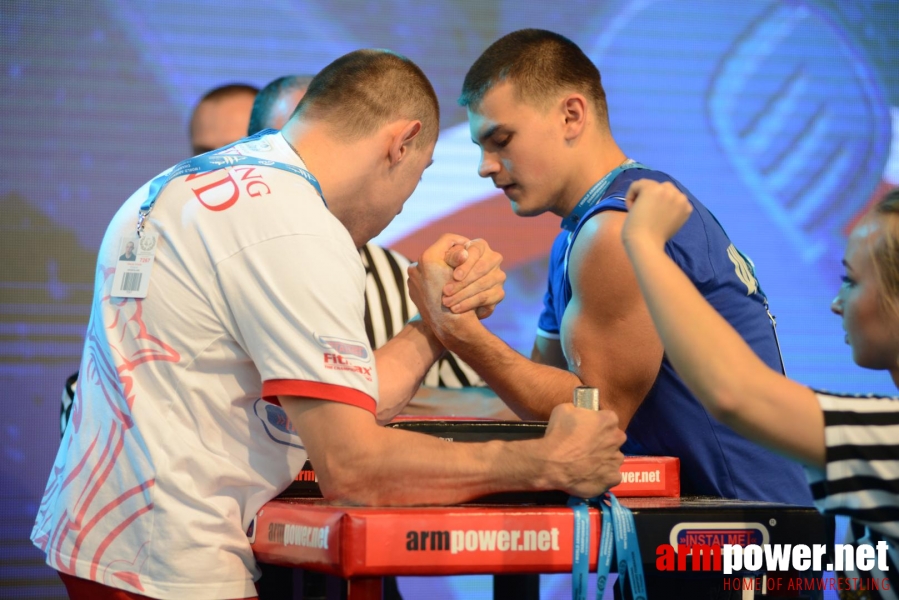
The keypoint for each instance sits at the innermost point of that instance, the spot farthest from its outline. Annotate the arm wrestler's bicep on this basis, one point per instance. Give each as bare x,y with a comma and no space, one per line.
607,331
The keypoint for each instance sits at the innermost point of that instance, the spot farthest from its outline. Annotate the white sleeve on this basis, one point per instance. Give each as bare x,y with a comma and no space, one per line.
297,306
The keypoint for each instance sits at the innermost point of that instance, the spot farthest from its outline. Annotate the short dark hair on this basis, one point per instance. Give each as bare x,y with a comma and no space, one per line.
260,117
366,89
226,91
222,92
541,64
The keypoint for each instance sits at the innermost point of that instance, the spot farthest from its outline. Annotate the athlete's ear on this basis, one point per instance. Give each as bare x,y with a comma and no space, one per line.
402,139
574,114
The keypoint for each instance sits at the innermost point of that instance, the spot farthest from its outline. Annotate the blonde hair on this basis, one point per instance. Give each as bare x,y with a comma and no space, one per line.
886,253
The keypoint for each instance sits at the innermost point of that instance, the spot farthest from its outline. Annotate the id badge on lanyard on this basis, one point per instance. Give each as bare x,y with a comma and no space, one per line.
138,251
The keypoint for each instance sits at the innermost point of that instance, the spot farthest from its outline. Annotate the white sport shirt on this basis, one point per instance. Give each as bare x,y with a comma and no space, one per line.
257,291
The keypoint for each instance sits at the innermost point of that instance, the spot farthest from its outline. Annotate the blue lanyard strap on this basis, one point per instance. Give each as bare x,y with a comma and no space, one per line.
580,561
618,537
213,161
594,194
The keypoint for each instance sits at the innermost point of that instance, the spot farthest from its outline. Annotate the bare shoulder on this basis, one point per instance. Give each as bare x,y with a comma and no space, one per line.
607,331
598,262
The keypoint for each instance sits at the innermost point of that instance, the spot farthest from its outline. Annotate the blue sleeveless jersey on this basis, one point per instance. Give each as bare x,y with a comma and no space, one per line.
715,460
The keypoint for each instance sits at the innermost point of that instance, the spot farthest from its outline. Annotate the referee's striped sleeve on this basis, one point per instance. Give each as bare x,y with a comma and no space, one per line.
388,308
861,474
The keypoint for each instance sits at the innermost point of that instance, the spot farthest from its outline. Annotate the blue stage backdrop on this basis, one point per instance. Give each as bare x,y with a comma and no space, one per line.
782,116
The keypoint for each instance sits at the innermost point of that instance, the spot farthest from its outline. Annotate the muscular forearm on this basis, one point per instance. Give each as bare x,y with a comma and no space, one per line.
530,389
405,468
402,364
358,462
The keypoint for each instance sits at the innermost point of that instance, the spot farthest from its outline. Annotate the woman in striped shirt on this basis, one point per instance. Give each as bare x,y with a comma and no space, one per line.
849,444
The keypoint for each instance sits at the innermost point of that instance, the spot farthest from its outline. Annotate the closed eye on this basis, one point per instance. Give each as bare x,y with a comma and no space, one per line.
498,136
502,142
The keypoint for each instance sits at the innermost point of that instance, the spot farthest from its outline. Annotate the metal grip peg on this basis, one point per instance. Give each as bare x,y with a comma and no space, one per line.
586,397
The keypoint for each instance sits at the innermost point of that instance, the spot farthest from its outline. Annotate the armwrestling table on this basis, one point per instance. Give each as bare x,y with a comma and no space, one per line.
361,545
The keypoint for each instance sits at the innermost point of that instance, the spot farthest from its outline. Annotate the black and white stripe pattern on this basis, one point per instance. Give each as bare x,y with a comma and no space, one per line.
388,308
68,399
861,477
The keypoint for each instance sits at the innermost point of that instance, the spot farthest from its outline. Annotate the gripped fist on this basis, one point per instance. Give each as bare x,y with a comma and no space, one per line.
656,211
477,281
427,279
454,276
585,450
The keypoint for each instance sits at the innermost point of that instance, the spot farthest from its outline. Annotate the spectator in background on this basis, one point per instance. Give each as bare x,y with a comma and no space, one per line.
276,102
221,116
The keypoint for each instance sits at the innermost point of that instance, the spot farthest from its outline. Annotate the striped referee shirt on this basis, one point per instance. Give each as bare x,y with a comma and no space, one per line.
388,308
861,478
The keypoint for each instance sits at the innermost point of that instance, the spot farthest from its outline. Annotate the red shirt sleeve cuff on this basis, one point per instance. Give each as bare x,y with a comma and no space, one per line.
319,391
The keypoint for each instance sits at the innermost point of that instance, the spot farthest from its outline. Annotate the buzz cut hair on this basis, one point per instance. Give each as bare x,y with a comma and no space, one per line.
230,89
268,97
541,65
219,93
362,91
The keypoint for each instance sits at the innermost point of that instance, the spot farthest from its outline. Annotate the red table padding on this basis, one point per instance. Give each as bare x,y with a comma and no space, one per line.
354,542
649,477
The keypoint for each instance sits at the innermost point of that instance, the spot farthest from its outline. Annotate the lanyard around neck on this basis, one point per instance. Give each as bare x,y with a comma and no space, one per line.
594,194
213,161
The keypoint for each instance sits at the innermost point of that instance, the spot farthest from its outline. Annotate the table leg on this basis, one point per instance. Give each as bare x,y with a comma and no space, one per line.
516,587
364,588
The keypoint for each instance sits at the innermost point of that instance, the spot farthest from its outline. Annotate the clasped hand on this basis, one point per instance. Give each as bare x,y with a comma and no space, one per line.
456,278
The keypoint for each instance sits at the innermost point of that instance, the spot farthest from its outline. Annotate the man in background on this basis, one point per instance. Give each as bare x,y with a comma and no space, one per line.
221,116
